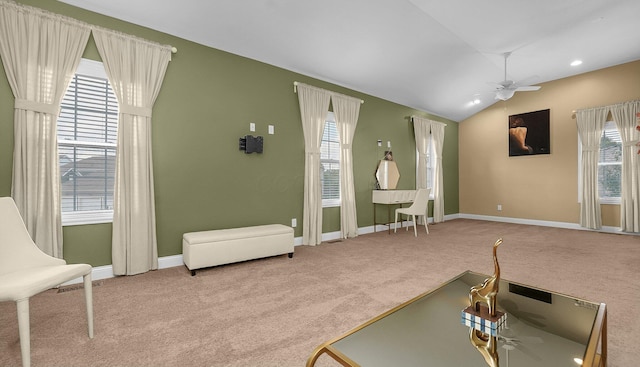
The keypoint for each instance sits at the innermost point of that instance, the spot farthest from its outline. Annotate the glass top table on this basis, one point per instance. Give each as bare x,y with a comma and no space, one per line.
542,328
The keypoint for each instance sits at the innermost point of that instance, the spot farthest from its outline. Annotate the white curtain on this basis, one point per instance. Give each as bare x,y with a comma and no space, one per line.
590,124
40,52
314,105
426,132
437,132
136,70
624,115
346,110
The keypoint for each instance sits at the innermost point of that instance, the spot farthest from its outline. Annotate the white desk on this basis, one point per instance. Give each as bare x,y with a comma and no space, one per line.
389,198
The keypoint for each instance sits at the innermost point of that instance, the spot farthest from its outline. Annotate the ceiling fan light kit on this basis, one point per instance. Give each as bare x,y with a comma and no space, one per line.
504,94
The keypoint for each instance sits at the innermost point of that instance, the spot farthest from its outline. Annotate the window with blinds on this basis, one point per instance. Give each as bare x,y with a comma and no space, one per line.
610,163
330,163
429,169
87,133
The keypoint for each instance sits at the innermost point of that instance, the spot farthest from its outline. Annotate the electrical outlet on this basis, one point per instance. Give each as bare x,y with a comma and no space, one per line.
294,222
499,207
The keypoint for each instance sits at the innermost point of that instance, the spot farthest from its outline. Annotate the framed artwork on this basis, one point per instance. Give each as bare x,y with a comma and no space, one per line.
529,133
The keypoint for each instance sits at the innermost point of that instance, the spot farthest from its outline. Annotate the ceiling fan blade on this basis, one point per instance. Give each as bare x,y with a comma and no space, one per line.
527,88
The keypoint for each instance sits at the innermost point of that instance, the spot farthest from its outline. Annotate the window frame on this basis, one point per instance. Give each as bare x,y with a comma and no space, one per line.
330,203
603,200
90,68
430,166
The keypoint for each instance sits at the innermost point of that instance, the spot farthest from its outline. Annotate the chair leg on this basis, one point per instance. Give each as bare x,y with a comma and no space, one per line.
395,224
415,231
88,297
25,333
425,223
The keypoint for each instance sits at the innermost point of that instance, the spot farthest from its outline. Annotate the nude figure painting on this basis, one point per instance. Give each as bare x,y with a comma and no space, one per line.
529,133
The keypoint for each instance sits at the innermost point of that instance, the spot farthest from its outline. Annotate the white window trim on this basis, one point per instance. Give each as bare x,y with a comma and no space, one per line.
87,217
430,156
91,68
332,203
95,69
607,200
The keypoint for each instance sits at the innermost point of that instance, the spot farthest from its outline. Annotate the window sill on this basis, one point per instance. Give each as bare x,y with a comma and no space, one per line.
87,217
610,201
330,203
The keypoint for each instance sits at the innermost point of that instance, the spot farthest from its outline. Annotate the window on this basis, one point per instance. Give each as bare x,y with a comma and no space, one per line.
330,163
430,165
610,164
87,129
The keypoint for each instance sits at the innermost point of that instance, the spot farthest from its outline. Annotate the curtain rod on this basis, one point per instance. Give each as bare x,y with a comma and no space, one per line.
437,122
295,90
41,12
573,113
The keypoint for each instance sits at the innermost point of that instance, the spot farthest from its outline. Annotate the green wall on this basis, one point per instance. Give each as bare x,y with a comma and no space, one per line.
202,180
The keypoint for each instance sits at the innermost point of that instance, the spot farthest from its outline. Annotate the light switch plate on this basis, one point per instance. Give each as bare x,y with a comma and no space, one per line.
252,126
271,130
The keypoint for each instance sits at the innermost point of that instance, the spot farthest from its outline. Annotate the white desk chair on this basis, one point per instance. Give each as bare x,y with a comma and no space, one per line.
26,271
417,209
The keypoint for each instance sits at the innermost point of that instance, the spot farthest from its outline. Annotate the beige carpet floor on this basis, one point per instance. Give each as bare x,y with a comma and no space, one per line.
275,311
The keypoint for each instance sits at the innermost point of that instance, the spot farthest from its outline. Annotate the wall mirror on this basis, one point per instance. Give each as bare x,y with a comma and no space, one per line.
387,175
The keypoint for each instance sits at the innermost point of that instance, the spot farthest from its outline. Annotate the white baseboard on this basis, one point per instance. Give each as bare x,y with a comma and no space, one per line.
170,261
106,271
542,223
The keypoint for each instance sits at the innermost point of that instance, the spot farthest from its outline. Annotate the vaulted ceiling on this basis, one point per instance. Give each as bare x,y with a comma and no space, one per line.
432,55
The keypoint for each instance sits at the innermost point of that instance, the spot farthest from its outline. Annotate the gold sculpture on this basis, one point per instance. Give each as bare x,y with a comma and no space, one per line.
482,315
487,292
487,345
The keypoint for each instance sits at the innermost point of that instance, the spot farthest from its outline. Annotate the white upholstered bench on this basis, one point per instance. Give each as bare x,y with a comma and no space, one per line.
224,246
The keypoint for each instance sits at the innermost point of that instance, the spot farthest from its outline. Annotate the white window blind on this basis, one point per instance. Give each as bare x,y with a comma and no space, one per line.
87,133
430,164
330,163
610,163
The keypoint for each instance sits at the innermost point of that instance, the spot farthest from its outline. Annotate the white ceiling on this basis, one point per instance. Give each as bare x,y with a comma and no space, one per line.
431,55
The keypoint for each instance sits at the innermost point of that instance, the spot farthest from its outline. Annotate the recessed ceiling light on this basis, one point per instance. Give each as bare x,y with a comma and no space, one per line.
476,101
576,62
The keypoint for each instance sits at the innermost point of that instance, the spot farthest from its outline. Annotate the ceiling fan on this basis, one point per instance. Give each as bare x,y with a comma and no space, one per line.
506,88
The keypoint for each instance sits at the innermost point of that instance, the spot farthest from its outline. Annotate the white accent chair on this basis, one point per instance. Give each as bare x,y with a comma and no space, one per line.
26,271
417,209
